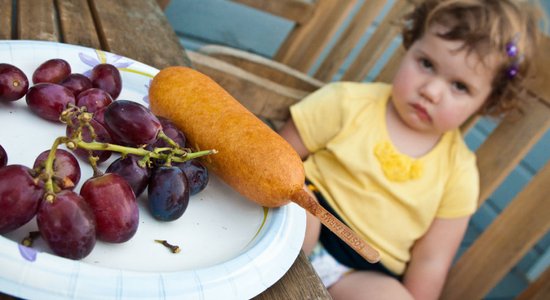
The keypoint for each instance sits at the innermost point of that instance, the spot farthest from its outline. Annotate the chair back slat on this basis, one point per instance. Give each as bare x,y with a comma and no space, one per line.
264,67
305,43
349,39
390,68
508,144
503,243
378,43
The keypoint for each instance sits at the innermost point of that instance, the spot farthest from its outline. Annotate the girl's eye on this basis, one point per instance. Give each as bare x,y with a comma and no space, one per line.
461,87
426,64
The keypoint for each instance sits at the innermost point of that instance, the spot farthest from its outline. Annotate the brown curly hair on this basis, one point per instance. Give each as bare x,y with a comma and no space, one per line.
486,27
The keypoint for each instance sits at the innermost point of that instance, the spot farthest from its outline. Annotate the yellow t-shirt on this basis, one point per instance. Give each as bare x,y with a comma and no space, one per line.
388,198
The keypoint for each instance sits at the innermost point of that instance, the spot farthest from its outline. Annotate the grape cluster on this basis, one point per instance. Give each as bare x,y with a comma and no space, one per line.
153,156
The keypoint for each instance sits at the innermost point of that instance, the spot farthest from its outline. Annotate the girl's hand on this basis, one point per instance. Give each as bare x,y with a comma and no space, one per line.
290,133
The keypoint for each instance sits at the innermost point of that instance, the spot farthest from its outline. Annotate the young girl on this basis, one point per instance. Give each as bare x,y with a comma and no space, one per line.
390,161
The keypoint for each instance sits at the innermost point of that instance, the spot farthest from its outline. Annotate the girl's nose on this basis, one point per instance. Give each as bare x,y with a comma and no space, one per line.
432,90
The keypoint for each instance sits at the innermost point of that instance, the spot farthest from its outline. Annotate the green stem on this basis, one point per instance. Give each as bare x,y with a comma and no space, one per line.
177,156
48,169
167,139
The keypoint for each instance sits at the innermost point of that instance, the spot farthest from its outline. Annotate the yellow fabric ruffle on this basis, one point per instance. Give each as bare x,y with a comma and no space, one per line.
396,166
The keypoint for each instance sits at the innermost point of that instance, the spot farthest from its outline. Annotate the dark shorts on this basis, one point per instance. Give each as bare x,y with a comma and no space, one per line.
343,253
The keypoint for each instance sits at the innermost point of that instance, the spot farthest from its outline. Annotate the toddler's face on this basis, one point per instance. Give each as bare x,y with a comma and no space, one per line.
437,87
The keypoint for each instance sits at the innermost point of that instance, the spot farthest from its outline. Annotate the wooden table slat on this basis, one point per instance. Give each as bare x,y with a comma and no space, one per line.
145,36
5,19
300,282
37,20
77,24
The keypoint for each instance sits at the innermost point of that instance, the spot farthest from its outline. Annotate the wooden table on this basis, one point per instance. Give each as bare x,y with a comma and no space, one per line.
137,29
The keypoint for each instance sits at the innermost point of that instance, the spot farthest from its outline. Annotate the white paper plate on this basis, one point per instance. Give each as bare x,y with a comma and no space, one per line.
231,248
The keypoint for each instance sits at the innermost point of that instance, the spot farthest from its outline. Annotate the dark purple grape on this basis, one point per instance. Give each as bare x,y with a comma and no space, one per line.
102,135
13,83
170,129
20,196
65,167
196,173
67,225
114,205
3,157
77,83
53,71
94,99
48,100
136,176
107,77
131,123
168,193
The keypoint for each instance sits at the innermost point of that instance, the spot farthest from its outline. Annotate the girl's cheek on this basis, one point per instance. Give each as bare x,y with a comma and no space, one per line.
451,118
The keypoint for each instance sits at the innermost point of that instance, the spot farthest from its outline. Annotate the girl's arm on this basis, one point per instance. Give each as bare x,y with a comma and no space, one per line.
291,135
432,256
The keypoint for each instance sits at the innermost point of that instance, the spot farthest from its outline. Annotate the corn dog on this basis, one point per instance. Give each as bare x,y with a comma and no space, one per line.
253,159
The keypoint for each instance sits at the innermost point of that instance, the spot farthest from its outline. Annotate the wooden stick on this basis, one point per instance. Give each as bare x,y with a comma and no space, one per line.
303,198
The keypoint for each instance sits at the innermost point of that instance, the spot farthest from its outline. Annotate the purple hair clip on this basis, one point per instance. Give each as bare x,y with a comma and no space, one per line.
512,52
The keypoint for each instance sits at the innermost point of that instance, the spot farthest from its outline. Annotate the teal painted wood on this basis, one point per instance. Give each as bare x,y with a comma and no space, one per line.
226,23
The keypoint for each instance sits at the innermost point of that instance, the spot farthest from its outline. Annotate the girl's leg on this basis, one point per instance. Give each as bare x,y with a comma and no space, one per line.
368,285
313,230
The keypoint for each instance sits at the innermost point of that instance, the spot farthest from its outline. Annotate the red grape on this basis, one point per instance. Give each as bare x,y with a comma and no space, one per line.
168,193
99,116
20,196
93,99
77,83
114,205
3,157
136,176
13,83
65,167
67,224
131,123
107,77
48,100
53,71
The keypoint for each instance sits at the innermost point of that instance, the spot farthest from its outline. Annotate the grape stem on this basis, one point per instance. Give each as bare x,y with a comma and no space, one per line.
48,169
173,248
174,153
167,139
177,155
29,239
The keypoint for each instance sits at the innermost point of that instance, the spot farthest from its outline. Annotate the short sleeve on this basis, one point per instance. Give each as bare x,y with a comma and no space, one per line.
318,117
462,190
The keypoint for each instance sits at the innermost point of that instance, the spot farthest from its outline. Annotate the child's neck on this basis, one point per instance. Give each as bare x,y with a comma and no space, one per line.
407,140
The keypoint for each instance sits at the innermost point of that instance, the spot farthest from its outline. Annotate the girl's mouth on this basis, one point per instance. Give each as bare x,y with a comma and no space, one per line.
421,112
